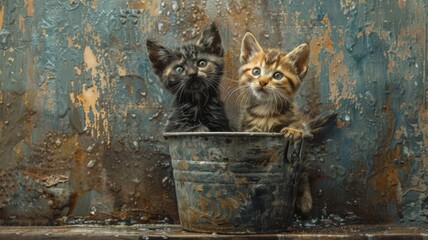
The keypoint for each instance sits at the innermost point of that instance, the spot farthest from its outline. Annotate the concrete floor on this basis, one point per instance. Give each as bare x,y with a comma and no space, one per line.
141,232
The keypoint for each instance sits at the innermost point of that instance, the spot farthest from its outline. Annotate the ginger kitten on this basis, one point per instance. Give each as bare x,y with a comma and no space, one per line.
269,81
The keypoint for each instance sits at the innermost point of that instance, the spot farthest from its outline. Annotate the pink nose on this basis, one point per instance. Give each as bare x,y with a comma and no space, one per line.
263,83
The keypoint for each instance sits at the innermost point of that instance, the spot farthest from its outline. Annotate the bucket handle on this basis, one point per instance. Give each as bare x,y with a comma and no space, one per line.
293,151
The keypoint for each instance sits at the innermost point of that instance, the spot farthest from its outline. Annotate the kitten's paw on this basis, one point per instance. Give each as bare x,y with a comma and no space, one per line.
294,134
202,128
304,202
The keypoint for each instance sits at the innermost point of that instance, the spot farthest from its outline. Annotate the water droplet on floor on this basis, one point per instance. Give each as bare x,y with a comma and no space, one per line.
160,28
91,163
93,210
90,148
347,118
175,6
165,182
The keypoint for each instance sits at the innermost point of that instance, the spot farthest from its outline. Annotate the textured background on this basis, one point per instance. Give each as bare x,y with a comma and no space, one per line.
81,113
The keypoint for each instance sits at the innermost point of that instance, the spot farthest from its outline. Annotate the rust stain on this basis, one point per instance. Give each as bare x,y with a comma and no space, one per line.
92,4
184,165
199,188
21,23
53,180
315,51
384,179
91,60
401,4
89,97
136,4
78,70
400,132
30,7
1,17
154,9
338,72
121,70
70,42
400,51
347,5
80,158
391,67
327,42
322,42
47,93
369,28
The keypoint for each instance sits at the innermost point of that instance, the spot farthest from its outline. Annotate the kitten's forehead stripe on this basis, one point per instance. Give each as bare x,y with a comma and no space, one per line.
188,51
272,57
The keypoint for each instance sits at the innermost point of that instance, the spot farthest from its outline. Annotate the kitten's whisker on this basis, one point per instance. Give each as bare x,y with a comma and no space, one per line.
245,99
180,91
221,86
234,90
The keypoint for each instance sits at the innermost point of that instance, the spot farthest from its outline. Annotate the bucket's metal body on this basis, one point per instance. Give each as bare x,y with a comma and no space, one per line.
235,182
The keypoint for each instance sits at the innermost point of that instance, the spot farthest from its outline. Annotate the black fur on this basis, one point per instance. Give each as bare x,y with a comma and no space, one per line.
321,124
196,105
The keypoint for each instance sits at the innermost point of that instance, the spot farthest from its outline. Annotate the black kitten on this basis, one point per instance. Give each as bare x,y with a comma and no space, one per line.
192,73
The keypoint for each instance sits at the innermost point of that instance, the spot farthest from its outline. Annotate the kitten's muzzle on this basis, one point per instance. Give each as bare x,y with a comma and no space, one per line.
192,72
194,83
263,81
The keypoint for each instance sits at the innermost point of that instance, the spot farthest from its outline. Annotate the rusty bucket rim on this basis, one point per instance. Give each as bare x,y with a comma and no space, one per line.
223,134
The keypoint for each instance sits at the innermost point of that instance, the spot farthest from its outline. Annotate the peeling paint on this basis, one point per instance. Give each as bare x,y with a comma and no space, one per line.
327,43
21,23
90,60
30,7
401,4
339,76
1,16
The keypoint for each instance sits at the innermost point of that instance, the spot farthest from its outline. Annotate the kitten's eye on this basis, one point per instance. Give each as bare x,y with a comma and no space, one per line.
178,69
256,71
278,75
202,63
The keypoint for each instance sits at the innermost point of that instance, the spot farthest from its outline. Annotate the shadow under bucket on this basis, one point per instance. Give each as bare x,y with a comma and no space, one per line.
235,182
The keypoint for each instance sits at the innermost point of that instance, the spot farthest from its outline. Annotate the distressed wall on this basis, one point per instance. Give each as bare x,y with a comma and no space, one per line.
81,113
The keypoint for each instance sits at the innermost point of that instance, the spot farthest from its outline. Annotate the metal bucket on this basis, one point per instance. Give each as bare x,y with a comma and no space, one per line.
234,182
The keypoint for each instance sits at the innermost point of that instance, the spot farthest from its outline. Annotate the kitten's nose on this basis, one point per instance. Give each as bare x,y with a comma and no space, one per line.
191,71
263,82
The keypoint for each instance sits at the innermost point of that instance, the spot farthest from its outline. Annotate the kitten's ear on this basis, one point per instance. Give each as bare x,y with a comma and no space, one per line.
158,55
299,57
249,47
211,40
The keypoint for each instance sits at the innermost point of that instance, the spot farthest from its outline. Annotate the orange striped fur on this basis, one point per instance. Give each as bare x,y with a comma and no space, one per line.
269,102
269,80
